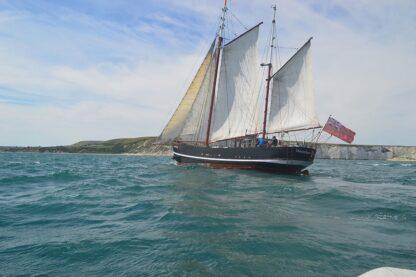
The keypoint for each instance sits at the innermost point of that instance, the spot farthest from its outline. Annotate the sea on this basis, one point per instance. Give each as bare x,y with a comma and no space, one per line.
84,215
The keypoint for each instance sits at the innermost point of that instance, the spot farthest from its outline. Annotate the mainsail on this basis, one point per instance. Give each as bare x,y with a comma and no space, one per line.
292,105
238,88
177,122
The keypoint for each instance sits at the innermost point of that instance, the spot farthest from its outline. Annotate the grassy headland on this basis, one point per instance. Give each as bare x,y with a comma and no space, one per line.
141,145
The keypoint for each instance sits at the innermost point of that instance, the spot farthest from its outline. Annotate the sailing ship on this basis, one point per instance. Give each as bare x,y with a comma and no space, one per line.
221,118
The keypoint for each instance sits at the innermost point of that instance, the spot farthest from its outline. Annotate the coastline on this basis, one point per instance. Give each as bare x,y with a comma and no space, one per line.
147,146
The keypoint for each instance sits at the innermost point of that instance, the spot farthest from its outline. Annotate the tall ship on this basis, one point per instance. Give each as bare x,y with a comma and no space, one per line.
232,116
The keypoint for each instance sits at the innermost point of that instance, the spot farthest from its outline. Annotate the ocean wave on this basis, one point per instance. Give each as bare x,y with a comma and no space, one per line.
335,195
382,213
13,163
59,222
44,207
62,176
380,164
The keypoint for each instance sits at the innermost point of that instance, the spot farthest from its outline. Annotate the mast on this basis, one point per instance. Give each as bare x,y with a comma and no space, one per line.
217,61
269,71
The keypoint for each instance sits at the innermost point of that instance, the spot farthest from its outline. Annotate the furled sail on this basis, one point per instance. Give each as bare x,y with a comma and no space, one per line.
177,122
238,88
292,99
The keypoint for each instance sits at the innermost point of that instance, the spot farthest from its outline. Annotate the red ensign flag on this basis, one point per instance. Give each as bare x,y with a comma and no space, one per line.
338,130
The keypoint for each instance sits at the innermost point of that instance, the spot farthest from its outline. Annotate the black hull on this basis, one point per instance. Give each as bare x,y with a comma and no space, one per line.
282,159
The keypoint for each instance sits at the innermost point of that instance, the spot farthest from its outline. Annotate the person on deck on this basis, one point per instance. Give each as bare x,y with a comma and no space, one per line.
274,141
261,142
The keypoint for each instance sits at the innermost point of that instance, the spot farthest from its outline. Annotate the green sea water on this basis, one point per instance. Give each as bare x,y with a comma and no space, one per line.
125,215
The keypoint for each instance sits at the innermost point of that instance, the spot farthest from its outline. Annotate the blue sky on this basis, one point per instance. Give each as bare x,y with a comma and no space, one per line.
97,69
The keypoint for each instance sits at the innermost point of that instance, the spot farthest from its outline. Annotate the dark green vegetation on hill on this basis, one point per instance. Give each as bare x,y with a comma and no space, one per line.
141,145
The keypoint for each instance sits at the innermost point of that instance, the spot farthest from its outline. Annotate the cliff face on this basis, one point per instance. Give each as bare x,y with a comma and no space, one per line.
148,146
403,152
365,152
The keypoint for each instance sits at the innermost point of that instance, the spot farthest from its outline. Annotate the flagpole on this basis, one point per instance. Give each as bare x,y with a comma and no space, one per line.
320,132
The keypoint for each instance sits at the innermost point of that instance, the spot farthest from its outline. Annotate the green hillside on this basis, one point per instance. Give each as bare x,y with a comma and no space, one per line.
141,145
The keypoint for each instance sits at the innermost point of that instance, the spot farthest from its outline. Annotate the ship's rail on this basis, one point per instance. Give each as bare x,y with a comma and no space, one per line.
252,142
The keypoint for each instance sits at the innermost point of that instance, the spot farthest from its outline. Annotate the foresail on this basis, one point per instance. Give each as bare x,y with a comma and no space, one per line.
238,88
175,126
196,122
292,104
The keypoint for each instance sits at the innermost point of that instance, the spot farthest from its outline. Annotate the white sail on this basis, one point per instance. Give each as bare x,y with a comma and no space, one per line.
195,126
292,99
238,88
177,122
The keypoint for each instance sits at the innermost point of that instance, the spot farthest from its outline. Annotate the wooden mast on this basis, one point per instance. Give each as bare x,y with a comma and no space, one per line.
266,102
269,73
217,62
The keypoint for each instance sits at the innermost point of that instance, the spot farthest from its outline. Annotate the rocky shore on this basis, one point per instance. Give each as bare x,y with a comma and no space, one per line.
148,146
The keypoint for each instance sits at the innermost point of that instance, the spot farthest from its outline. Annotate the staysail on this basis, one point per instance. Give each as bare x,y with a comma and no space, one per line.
238,88
176,124
292,104
195,126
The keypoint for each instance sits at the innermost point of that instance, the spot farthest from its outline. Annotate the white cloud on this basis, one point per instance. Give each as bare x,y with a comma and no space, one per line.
156,83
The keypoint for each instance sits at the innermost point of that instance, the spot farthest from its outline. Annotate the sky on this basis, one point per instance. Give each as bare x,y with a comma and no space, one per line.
102,69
